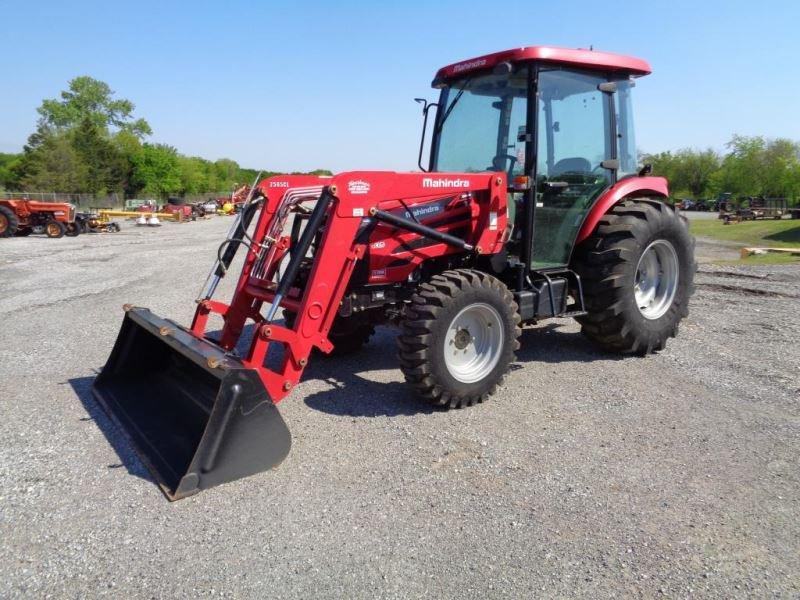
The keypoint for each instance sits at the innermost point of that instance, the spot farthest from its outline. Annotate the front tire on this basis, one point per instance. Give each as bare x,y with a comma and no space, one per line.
54,229
73,229
638,275
458,338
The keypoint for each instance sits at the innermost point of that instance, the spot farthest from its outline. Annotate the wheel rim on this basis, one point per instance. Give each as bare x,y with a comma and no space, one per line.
3,223
656,279
52,230
474,343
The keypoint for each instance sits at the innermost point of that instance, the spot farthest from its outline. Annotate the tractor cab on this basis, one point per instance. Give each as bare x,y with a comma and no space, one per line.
557,121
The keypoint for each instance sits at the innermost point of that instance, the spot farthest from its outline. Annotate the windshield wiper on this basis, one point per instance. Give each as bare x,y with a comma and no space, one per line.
452,104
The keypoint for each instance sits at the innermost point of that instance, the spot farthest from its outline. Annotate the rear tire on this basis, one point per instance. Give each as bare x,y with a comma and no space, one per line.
458,338
9,223
638,274
54,229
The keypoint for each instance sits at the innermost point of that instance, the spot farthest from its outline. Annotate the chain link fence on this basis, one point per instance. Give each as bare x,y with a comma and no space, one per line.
113,201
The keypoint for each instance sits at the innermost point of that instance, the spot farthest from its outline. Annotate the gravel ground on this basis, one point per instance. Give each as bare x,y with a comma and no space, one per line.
585,476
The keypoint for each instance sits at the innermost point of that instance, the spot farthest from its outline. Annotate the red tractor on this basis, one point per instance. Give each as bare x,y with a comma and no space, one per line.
22,217
530,206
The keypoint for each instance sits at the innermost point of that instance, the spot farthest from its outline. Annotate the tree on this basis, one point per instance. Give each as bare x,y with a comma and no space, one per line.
88,98
757,166
227,173
126,145
88,141
194,174
742,170
156,170
782,169
8,167
695,169
688,171
106,168
52,165
664,164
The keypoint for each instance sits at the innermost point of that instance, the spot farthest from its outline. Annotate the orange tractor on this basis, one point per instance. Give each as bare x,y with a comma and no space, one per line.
22,217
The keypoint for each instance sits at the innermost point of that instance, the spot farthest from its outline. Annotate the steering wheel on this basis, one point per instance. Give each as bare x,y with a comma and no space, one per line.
510,157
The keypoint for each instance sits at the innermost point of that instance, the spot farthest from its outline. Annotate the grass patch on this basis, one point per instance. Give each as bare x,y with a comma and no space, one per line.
766,233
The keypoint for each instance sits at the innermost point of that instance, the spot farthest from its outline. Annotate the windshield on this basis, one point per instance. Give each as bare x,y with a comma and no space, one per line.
483,124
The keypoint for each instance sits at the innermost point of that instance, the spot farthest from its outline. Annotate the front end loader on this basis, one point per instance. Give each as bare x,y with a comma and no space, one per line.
531,206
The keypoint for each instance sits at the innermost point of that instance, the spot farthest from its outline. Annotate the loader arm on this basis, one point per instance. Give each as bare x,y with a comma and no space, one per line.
343,207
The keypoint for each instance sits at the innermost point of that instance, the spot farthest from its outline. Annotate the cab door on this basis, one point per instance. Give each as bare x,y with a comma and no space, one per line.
574,142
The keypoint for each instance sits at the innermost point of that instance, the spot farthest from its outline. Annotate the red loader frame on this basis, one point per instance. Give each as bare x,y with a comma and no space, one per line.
343,203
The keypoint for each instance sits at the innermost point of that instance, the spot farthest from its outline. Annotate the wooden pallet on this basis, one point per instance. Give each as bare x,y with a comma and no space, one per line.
750,251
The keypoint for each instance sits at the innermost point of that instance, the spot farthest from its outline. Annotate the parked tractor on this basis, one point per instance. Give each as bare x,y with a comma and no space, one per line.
529,206
22,217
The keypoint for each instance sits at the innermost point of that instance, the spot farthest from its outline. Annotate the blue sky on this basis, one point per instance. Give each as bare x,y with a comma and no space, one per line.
303,85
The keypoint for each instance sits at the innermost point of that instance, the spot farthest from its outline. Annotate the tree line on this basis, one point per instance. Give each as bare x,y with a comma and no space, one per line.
89,142
752,166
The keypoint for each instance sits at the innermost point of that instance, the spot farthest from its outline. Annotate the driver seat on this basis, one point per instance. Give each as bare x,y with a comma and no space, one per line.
575,165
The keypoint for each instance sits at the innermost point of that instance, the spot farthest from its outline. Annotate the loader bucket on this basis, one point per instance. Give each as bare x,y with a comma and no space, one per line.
196,416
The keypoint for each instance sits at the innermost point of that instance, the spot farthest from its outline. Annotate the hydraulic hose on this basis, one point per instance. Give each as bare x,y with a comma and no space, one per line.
299,252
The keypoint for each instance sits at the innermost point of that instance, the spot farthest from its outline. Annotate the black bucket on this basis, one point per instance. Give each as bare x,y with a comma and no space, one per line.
195,415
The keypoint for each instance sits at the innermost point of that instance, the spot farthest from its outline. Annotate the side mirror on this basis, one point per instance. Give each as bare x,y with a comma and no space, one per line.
612,164
426,106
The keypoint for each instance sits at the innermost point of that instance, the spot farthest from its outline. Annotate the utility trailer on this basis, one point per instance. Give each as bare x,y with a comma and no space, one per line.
529,206
752,208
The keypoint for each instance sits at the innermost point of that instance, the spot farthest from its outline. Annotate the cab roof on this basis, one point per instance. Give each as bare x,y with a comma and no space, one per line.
586,59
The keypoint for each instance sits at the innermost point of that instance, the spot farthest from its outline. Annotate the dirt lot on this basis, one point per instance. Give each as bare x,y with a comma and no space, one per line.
587,475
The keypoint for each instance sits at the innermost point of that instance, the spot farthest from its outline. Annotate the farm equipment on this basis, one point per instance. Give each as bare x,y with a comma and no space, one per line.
529,207
108,214
22,217
178,206
233,204
768,208
751,208
96,223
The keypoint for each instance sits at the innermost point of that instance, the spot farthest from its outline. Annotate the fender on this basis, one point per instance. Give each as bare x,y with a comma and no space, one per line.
633,187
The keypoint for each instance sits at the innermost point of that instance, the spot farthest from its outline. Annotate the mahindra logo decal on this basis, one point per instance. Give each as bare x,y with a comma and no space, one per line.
358,186
423,211
466,66
439,182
